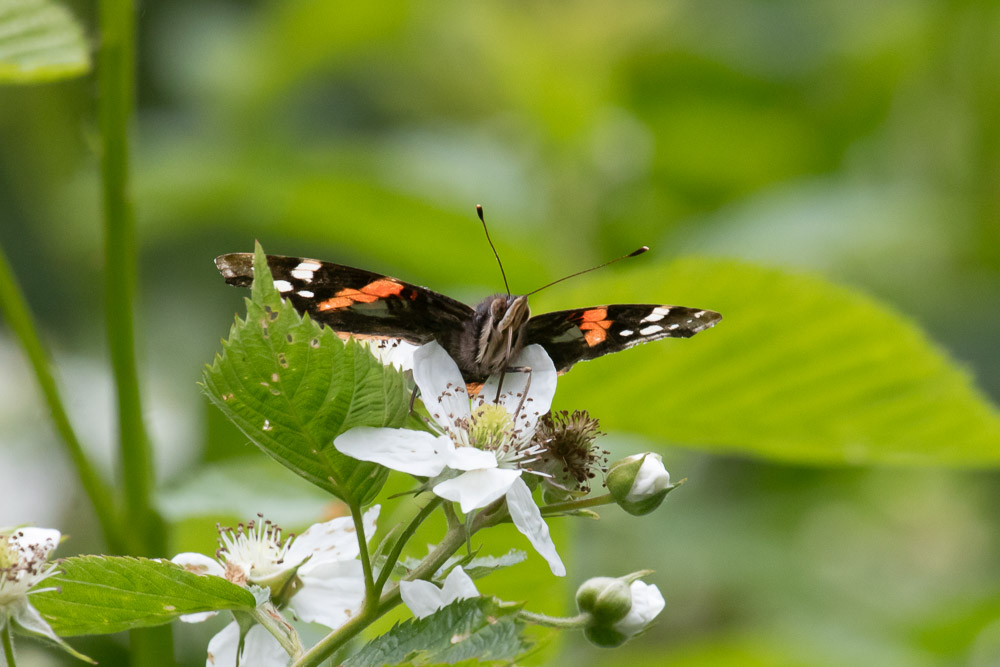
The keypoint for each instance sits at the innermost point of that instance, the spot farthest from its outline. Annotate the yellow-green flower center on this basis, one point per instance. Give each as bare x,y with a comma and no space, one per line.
9,556
490,426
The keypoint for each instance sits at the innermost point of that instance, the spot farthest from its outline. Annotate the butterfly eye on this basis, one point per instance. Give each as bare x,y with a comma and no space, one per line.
498,307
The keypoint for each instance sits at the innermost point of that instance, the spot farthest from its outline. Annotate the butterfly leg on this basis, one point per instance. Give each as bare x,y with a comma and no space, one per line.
413,398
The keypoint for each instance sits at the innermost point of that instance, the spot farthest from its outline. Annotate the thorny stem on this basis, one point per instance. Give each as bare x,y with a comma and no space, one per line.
8,645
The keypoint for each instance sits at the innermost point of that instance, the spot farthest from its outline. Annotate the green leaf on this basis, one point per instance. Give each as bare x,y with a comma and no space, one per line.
292,386
798,370
478,628
104,594
40,41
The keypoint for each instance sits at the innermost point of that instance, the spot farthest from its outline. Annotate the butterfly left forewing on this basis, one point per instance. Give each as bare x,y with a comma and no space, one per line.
581,334
355,301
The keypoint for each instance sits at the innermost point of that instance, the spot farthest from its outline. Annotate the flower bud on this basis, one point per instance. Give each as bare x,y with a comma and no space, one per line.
606,599
639,483
619,608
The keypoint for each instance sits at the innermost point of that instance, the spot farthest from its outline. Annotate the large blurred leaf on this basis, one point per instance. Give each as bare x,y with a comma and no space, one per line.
292,386
798,370
104,594
40,41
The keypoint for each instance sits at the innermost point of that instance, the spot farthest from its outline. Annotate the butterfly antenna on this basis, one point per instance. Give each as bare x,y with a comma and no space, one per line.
634,253
482,218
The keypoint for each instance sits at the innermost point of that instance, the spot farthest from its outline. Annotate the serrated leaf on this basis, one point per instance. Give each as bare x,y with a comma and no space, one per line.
477,628
292,386
105,594
798,370
40,41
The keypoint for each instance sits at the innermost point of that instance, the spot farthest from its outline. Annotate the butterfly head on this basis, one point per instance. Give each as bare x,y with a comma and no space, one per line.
499,322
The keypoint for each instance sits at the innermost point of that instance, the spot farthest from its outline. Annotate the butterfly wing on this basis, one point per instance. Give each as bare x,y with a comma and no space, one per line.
582,334
354,301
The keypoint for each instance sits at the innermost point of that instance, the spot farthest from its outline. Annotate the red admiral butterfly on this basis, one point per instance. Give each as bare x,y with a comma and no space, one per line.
481,340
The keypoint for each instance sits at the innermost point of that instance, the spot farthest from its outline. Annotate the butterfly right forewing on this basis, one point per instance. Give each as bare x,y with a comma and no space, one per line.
581,334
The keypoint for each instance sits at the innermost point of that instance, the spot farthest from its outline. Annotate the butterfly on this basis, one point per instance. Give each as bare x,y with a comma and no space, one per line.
481,339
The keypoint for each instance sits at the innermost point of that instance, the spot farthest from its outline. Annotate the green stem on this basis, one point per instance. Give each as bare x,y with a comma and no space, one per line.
8,645
116,85
453,540
116,73
357,514
404,537
19,319
555,621
571,505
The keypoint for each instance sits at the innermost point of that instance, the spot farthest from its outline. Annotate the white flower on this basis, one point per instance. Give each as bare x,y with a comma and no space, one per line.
23,556
424,598
651,479
260,648
329,586
483,447
647,603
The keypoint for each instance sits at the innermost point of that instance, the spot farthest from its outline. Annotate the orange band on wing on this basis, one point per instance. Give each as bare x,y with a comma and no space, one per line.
594,314
595,336
373,291
382,288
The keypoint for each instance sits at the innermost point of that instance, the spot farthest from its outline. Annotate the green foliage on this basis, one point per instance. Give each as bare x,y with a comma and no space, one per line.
292,386
478,628
798,370
105,594
40,41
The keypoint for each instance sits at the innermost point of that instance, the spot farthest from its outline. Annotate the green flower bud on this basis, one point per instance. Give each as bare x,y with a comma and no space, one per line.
639,483
606,599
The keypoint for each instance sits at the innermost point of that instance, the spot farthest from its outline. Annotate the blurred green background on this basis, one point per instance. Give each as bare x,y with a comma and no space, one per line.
858,142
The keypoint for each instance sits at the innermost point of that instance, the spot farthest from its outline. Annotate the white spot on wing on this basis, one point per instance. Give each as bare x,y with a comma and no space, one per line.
672,327
657,315
308,265
699,313
306,293
625,332
303,275
651,329
282,285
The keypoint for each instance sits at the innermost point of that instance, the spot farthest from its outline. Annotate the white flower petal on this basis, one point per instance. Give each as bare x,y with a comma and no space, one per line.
647,603
541,387
477,488
442,388
421,597
528,519
30,541
650,480
424,598
414,452
199,563
331,593
28,618
260,649
470,458
334,540
458,586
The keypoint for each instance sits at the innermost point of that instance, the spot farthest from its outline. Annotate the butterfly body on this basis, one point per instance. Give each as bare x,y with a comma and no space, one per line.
481,340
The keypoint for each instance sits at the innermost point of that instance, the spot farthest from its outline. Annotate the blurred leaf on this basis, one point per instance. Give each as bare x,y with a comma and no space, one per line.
238,486
40,41
292,386
105,594
478,628
798,370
